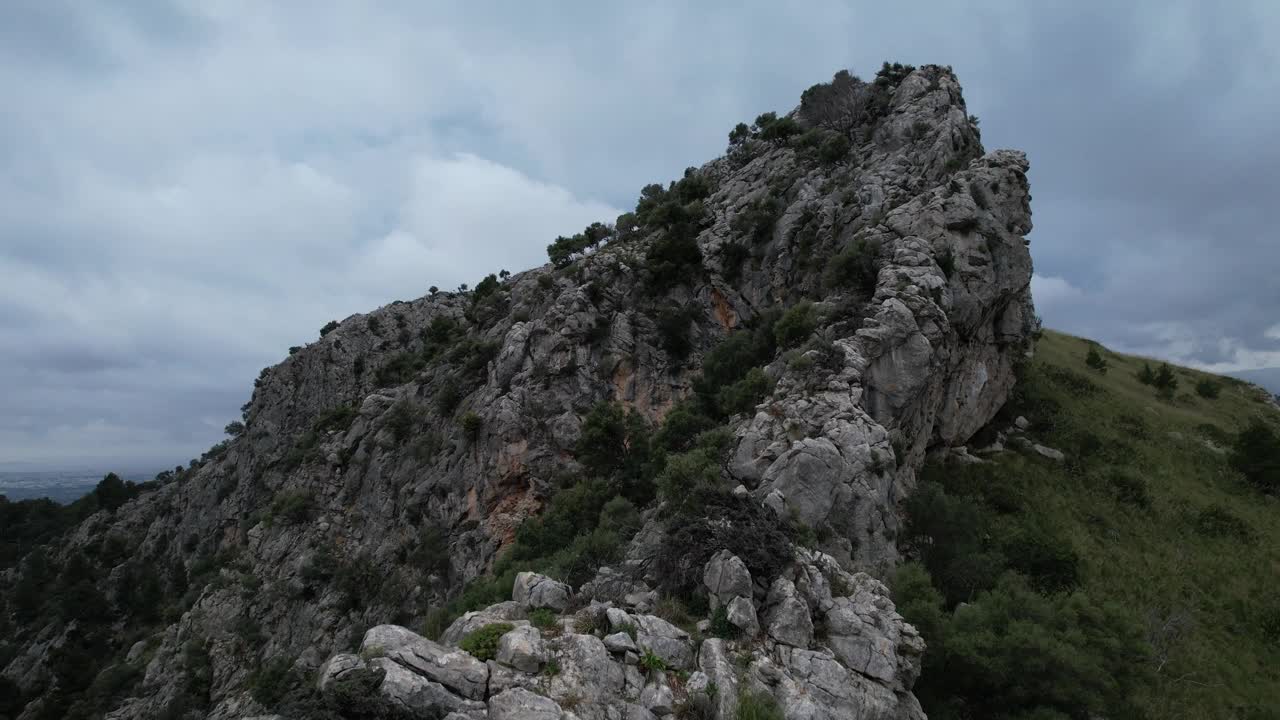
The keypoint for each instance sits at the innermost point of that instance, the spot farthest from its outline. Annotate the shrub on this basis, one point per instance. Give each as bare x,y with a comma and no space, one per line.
271,681
673,330
757,706
673,258
471,424
328,327
1014,653
918,600
1165,382
796,325
979,195
688,474
1146,375
652,663
482,643
1218,522
1208,389
731,359
1047,559
855,267
732,255
947,263
757,220
336,419
293,506
542,618
486,287
234,428
1129,489
448,396
834,148
615,443
720,625
745,394
769,127
431,555
1256,455
842,105
402,418
682,426
712,521
1094,359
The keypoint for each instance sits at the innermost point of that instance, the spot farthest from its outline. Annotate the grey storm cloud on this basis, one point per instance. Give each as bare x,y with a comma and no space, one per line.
189,188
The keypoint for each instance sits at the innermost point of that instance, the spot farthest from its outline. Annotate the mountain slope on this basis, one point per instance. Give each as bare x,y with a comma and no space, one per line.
1145,512
807,316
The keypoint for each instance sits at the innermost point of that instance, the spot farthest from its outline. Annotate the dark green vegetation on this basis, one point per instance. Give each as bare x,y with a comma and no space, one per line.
757,706
29,523
1133,580
483,643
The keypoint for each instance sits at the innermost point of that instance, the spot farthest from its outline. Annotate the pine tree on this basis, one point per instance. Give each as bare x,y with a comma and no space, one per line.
1165,381
1095,360
1146,375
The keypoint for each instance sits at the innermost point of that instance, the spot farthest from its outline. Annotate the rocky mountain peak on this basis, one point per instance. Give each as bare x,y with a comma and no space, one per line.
785,330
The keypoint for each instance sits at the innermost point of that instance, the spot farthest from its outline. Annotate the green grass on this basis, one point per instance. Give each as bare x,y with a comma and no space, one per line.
1207,596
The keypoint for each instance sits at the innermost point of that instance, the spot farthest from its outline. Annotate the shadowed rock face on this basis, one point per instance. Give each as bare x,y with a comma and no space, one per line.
353,449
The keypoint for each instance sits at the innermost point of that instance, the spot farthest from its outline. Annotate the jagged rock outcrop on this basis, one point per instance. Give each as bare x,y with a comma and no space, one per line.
384,465
863,666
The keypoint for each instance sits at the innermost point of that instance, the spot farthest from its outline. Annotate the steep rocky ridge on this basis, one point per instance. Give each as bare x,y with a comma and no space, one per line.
436,426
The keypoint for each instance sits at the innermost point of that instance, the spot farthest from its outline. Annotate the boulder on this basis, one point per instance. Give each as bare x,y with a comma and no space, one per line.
726,577
788,619
521,704
664,640
812,684
503,612
420,696
587,674
619,642
452,668
337,666
522,649
742,615
618,618
657,696
536,591
502,678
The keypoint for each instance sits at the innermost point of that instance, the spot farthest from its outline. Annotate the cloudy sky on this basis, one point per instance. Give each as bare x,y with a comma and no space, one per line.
189,188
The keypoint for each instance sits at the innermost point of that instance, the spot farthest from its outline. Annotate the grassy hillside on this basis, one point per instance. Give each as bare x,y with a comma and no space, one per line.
1146,526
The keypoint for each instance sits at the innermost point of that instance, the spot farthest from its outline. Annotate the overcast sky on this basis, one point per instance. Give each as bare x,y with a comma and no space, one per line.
189,188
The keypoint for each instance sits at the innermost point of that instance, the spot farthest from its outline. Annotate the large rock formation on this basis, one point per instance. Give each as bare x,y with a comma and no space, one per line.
383,465
863,667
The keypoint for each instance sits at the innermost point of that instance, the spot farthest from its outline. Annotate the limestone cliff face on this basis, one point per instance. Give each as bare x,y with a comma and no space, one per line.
355,445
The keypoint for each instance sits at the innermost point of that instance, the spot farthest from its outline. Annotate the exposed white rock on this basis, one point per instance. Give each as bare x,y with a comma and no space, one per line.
503,612
1048,452
657,696
741,613
536,591
726,577
522,649
521,704
450,667
619,642
787,615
